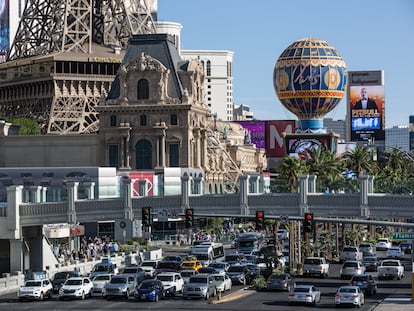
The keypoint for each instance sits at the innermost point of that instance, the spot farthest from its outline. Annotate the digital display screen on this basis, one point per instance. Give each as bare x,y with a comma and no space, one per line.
361,124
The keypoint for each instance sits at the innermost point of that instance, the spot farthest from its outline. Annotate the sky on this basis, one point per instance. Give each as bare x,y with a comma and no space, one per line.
369,34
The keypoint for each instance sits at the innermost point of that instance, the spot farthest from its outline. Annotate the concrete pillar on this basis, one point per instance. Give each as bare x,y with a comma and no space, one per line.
128,212
364,189
16,255
143,187
185,190
370,184
303,191
14,199
312,183
253,184
198,185
90,190
72,198
244,201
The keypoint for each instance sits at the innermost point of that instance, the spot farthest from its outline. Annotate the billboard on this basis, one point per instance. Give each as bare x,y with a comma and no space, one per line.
366,104
275,147
299,145
256,130
4,30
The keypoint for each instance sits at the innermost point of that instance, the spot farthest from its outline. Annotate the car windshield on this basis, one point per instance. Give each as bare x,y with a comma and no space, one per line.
167,265
236,269
188,264
102,278
165,278
100,268
149,264
149,285
219,278
312,261
198,280
73,282
390,263
370,259
347,290
277,277
118,280
187,273
301,290
33,283
350,265
130,270
60,276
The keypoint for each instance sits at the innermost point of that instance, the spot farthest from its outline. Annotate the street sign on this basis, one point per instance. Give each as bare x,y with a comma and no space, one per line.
403,236
284,219
164,215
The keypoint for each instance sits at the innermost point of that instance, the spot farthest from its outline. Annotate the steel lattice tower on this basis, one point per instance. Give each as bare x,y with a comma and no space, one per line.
64,58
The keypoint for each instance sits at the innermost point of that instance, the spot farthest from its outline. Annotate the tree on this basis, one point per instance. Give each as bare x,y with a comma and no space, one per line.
27,126
360,161
290,169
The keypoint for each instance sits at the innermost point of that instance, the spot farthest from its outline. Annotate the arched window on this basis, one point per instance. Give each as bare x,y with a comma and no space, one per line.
143,154
143,89
173,119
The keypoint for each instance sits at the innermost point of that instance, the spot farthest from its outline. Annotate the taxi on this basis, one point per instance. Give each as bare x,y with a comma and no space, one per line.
191,265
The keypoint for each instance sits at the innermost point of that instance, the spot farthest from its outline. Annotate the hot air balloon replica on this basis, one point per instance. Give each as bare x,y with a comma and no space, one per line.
310,79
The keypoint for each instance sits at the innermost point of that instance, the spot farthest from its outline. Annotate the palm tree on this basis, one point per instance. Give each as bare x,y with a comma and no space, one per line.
290,169
360,161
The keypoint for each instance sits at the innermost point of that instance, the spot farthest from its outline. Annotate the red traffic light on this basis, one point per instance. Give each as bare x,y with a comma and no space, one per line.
145,211
308,217
188,212
259,215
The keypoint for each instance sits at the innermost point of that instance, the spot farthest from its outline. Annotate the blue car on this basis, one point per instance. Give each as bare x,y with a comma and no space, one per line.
149,290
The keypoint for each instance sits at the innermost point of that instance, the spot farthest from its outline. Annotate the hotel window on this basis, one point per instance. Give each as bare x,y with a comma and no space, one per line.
174,155
143,120
173,119
143,89
112,121
113,155
208,68
143,154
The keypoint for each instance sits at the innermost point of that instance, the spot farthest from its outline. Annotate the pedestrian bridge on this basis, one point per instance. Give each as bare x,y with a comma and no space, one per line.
362,205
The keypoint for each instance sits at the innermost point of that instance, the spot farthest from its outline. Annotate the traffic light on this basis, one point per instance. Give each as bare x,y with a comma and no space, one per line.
260,225
189,218
146,216
308,222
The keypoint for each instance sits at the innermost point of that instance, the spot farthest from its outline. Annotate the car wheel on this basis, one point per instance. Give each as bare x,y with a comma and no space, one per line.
288,288
207,295
41,296
127,294
50,295
61,298
83,296
215,292
156,298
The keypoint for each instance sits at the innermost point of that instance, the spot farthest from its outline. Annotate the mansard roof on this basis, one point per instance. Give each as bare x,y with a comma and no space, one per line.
160,47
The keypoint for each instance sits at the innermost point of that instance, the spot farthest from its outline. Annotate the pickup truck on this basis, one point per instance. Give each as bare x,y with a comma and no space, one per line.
315,266
391,268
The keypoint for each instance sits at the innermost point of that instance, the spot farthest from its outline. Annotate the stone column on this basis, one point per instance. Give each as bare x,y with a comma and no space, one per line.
16,255
128,211
303,191
14,199
364,189
185,190
72,198
244,201
90,190
312,183
142,187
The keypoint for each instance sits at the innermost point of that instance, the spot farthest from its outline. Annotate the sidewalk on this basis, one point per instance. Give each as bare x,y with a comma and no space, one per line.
396,303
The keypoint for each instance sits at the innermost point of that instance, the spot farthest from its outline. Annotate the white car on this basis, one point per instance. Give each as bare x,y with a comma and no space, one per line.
395,252
349,295
222,282
172,281
282,234
99,282
149,267
186,274
383,244
76,287
35,290
307,294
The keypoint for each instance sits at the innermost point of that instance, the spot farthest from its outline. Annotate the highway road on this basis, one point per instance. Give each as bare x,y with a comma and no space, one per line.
243,299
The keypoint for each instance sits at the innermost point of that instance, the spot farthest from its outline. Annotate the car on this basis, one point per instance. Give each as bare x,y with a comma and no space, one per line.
282,234
222,282
76,287
136,271
239,274
149,267
406,247
371,263
350,268
175,258
367,249
365,282
200,286
235,258
172,281
208,270
349,295
35,290
104,267
149,290
391,268
383,244
250,258
191,265
168,266
120,286
233,243
60,277
304,294
316,266
280,281
350,253
99,282
186,274
395,252
220,267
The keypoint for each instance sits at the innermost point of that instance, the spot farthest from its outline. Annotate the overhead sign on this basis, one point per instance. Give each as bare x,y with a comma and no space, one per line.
403,236
284,219
164,215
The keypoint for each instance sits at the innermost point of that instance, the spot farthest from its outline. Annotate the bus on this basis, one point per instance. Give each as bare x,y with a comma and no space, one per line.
208,252
249,242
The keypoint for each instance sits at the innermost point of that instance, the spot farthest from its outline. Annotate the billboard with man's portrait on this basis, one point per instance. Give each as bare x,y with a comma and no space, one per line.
367,107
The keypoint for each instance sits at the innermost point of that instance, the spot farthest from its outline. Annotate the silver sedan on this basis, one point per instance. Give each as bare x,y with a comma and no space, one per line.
304,294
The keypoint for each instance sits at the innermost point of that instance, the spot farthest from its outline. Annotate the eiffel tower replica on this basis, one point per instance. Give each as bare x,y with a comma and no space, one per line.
64,58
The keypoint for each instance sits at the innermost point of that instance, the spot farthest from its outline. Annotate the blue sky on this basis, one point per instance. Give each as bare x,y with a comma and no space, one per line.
369,34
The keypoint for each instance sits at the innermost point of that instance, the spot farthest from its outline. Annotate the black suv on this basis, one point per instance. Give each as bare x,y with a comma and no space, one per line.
365,282
60,277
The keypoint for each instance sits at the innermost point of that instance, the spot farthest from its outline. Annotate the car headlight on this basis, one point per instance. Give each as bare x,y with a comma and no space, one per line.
152,293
